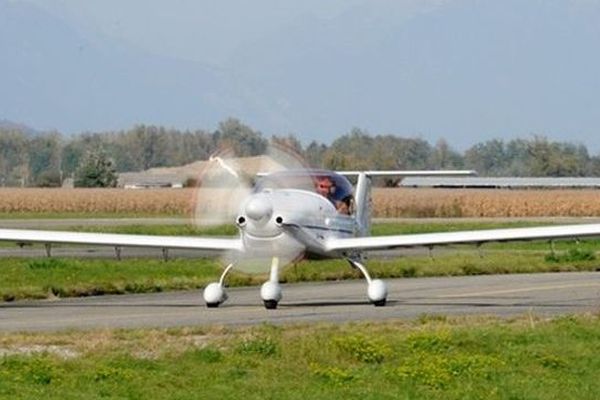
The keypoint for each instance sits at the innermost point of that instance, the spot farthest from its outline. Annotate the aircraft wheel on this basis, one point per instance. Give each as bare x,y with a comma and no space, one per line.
379,303
270,304
214,294
377,292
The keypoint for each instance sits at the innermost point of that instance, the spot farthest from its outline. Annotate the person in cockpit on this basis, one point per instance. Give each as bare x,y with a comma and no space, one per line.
326,188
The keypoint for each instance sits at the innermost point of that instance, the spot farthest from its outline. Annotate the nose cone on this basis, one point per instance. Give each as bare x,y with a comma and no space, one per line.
258,208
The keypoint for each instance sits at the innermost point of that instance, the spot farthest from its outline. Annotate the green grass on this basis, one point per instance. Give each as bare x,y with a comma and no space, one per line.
432,357
396,228
66,277
47,277
167,230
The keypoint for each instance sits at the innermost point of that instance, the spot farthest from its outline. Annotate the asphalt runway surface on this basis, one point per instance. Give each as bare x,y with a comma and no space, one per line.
331,302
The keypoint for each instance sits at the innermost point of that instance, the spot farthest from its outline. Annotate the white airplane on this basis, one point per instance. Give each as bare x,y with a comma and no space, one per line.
305,213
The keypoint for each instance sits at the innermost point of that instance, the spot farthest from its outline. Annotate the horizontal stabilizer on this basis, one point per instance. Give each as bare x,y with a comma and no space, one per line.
400,173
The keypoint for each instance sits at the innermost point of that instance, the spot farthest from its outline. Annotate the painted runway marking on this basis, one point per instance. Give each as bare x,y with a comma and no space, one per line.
526,289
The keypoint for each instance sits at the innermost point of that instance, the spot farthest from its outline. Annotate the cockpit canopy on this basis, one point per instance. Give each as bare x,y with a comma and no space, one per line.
335,187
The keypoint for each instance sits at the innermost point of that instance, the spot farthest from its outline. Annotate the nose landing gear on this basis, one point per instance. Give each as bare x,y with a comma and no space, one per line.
270,292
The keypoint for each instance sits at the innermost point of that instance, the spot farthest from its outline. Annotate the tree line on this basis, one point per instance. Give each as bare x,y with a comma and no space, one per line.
49,158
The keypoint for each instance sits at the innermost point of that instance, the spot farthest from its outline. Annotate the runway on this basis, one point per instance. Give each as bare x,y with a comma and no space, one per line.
332,302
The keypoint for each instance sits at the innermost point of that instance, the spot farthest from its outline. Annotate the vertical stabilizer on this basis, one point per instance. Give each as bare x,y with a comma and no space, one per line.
363,204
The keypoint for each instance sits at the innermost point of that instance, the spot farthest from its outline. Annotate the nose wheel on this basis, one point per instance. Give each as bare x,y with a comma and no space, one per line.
270,291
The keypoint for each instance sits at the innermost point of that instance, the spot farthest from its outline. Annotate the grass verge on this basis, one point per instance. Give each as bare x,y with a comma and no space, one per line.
431,357
65,277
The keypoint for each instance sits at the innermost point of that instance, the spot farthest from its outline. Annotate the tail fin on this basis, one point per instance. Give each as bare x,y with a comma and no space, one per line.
362,198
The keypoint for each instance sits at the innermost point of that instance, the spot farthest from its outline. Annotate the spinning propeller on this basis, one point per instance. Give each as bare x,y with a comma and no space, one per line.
226,195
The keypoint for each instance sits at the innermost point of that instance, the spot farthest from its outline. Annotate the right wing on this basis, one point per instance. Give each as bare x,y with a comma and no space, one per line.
120,240
462,237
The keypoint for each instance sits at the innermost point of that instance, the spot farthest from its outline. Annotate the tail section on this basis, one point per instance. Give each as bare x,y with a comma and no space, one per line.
362,198
362,193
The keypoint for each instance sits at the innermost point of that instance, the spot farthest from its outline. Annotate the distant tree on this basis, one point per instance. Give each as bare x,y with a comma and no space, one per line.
444,157
412,153
314,153
595,166
96,170
517,154
548,158
352,151
146,147
14,158
44,155
49,179
488,158
75,149
289,142
240,138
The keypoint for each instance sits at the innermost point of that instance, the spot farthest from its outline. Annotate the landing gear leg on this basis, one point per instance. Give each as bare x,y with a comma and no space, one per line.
214,294
270,292
376,289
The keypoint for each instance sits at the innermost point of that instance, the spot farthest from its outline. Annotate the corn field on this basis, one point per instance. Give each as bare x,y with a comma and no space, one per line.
406,202
387,202
104,201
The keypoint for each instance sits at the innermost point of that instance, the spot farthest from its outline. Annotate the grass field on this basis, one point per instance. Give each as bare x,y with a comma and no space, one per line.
431,357
65,277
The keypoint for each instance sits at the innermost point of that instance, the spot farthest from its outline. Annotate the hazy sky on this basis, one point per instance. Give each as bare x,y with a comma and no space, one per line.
205,31
466,70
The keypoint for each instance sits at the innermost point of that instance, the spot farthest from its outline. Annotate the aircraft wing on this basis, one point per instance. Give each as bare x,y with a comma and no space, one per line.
120,240
475,237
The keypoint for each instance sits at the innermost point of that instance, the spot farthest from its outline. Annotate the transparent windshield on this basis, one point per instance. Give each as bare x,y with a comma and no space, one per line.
334,187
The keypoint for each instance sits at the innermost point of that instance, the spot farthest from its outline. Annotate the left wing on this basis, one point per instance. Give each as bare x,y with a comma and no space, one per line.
476,237
120,240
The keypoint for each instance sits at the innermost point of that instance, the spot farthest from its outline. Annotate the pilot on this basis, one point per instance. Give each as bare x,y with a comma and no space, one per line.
325,186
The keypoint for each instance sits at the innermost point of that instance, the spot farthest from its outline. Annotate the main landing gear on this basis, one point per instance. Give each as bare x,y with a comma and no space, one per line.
270,292
214,294
376,290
